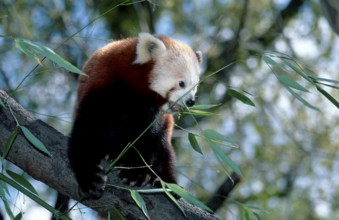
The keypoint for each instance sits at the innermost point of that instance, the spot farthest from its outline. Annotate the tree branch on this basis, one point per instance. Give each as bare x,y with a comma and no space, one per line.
56,173
223,191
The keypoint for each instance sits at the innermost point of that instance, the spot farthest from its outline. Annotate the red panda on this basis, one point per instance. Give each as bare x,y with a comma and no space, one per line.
129,85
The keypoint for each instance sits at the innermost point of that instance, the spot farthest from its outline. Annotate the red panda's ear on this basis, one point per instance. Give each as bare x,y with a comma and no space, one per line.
199,56
148,47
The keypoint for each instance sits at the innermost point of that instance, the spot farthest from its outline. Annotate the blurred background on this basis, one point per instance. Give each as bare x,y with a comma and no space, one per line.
288,152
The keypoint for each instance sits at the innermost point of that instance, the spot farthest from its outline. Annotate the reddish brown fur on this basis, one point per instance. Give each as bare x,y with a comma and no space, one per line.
119,56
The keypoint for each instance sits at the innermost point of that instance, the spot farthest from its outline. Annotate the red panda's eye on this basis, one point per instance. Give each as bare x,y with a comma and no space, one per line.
182,84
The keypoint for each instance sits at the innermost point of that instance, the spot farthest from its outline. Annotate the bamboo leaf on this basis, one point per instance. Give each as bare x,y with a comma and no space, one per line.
194,143
325,80
288,81
223,159
34,141
171,197
23,181
116,213
189,198
18,216
297,96
328,96
140,202
3,195
257,216
215,136
2,104
298,71
245,214
31,195
32,49
198,112
240,96
10,142
270,61
204,107
22,45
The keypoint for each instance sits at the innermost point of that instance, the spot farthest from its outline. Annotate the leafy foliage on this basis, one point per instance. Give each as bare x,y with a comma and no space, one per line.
286,133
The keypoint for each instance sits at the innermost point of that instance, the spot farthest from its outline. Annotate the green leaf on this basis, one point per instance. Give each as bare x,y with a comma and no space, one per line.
32,49
297,96
31,195
240,96
140,202
18,216
23,46
204,107
34,141
10,142
298,71
3,195
328,96
171,197
198,112
245,214
325,80
270,61
189,198
20,179
288,81
194,143
223,159
219,138
2,104
116,212
257,216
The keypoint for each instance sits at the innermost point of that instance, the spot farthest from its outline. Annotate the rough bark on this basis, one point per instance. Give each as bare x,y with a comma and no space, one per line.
56,173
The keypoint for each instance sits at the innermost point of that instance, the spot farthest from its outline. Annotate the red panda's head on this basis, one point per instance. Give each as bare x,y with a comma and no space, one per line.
176,70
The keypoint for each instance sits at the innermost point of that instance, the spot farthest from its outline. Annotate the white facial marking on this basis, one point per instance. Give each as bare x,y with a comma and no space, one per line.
175,76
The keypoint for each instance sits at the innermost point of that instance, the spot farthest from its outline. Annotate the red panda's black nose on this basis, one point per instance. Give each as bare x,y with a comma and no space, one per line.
190,102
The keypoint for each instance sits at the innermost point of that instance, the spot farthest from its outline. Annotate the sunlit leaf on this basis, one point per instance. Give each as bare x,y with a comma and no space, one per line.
34,141
189,198
240,96
32,49
198,112
23,46
204,107
171,197
23,181
216,136
288,81
194,143
140,202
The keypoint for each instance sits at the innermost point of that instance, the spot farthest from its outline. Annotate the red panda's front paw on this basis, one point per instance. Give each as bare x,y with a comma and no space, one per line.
137,177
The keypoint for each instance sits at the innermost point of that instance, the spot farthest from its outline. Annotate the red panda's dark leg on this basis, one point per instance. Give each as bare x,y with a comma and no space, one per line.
87,147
